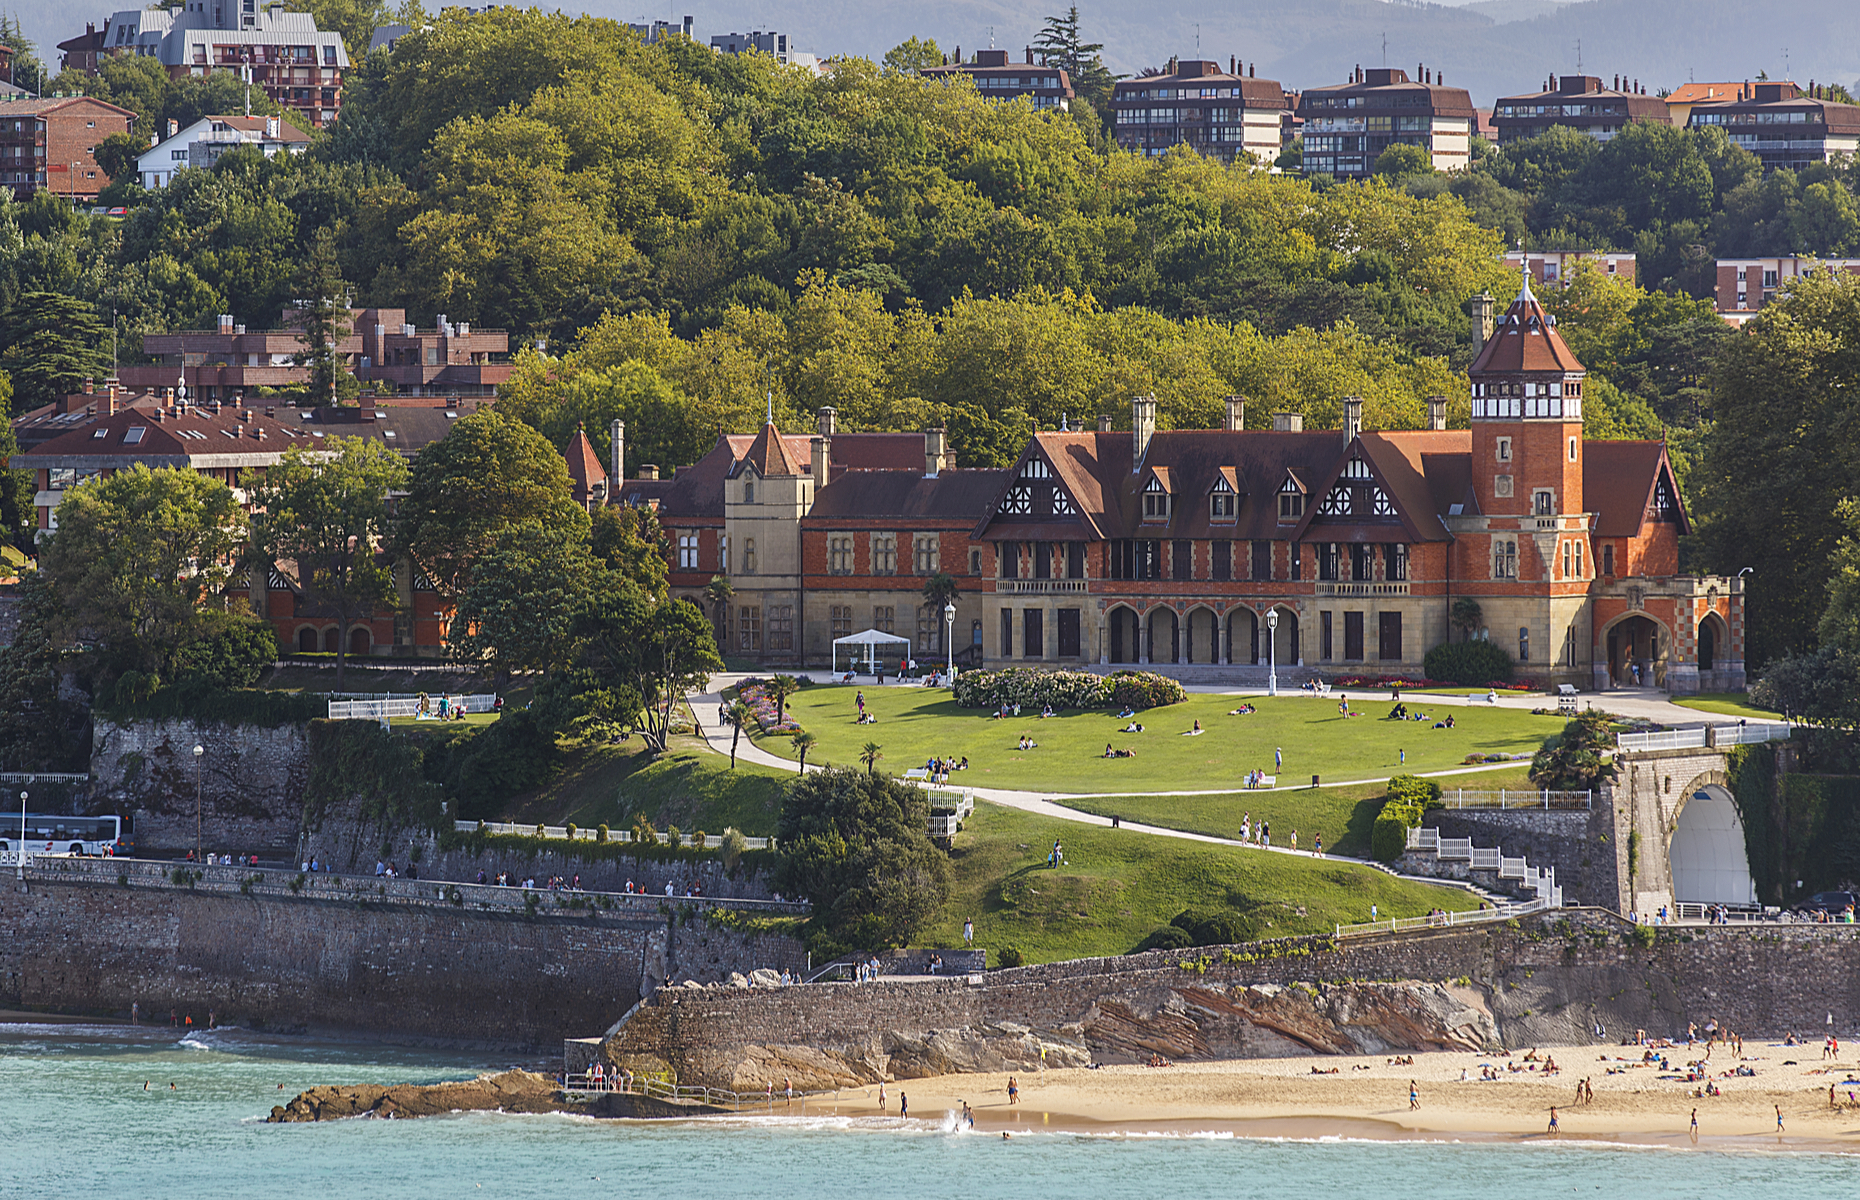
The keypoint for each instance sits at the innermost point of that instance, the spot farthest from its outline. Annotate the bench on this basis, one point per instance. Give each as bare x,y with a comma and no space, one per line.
1266,781
922,773
1566,689
1482,698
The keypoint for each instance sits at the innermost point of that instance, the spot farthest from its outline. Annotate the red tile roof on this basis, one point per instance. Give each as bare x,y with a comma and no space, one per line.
1618,484
769,455
584,465
1525,339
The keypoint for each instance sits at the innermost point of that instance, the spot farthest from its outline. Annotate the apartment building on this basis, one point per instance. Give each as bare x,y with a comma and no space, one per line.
767,42
51,144
1783,125
1195,103
1551,268
295,64
1745,285
202,143
998,79
1578,102
1348,126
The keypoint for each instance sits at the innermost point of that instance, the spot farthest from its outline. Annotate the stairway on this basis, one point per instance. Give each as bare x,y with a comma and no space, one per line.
1540,882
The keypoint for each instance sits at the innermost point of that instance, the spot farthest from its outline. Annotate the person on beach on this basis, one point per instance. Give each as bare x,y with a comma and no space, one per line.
1414,1097
1779,1124
1013,1091
968,1115
1553,1122
1695,1124
881,1097
904,1105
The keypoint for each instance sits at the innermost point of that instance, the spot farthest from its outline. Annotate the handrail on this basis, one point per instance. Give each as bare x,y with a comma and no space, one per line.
653,1087
560,832
1506,798
1445,920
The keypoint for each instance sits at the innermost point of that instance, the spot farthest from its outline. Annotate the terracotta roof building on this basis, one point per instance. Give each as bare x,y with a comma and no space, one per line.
999,79
1578,102
1348,126
1783,125
1553,267
1195,103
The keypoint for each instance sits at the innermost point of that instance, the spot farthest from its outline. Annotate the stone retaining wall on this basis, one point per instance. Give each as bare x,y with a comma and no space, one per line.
251,782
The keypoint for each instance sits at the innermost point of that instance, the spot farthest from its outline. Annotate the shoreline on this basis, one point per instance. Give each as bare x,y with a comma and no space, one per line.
1367,1099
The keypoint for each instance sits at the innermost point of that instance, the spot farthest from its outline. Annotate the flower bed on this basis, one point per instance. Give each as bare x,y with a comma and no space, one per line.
755,694
1065,689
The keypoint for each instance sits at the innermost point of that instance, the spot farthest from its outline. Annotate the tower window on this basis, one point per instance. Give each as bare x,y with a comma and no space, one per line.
1575,447
1502,447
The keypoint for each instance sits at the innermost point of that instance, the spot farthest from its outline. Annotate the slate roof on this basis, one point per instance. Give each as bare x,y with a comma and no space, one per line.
584,465
881,495
769,455
1525,339
1618,482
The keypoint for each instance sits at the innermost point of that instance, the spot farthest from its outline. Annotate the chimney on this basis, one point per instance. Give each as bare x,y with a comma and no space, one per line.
226,322
1288,422
1104,422
936,454
1352,416
1482,308
1030,56
649,470
245,416
271,410
826,419
616,455
109,402
1436,412
1252,71
1142,428
820,451
174,127
1233,64
1236,413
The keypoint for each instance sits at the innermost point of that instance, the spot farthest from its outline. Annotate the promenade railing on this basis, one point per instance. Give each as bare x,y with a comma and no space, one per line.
1449,920
408,706
1511,798
1707,735
711,841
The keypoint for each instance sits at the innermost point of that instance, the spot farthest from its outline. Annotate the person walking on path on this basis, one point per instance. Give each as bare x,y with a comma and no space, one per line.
1414,1097
1779,1124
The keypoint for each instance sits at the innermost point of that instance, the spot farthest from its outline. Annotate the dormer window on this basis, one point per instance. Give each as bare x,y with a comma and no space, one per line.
1291,501
1223,504
1155,501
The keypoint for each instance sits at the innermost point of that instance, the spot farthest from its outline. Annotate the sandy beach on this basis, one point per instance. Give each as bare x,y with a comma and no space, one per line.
1368,1097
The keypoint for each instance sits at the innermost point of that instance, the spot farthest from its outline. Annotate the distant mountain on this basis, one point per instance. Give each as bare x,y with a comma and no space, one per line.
1491,48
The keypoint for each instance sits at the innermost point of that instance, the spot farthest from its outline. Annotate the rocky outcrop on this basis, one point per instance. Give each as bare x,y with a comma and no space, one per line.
512,1091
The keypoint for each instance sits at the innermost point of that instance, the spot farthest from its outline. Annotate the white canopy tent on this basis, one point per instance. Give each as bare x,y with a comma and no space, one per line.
870,639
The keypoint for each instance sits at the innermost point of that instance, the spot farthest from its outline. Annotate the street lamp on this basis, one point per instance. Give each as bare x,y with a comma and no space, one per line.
1272,664
949,635
21,859
199,752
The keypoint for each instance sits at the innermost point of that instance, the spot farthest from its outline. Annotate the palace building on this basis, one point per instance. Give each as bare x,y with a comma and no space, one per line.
1179,550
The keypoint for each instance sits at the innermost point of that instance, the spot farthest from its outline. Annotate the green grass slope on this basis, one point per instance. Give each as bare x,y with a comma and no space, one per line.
1117,886
689,786
917,723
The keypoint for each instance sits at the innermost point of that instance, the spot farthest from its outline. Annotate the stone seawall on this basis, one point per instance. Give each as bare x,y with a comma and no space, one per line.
1576,843
251,782
1548,981
95,936
610,875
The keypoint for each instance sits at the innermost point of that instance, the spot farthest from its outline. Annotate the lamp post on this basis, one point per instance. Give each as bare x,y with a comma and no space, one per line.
21,857
1272,652
949,636
199,752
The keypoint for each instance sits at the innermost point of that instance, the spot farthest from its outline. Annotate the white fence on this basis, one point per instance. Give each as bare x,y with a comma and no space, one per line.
948,809
1489,858
1505,798
1711,735
711,841
1485,916
1755,731
1665,739
407,706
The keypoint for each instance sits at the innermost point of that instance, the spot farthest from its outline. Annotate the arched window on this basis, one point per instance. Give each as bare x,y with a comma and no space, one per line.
749,556
1524,644
306,640
749,490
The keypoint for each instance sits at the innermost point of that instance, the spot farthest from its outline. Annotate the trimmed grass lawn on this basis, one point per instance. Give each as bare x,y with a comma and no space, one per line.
917,723
1342,815
1727,704
1117,886
689,786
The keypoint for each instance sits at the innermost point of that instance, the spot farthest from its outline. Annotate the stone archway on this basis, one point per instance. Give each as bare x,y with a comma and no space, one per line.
1714,642
1243,637
1163,645
1706,853
1124,638
1636,639
1201,636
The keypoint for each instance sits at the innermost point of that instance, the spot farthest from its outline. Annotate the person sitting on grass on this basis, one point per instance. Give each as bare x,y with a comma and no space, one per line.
1128,713
1027,743
1108,752
1398,713
1046,711
1446,724
1245,710
1196,731
1133,727
964,764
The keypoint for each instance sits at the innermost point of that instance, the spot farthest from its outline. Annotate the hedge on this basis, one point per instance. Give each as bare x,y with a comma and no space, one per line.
1065,689
198,700
1477,664
1408,800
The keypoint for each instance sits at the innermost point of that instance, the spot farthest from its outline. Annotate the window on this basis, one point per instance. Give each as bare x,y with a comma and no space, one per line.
1221,560
840,555
1608,561
1330,559
1291,503
1569,646
749,556
1182,559
1262,560
781,627
1136,558
884,554
1223,504
687,551
1007,555
884,616
930,627
1075,560
1324,637
1353,637
1543,503
749,629
1502,447
1504,558
1362,562
1395,561
1007,633
1579,571
1033,644
1569,560
1388,636
1042,560
975,562
841,617
1068,633
749,490
975,633
723,553
925,554
1575,448
1524,644
1155,501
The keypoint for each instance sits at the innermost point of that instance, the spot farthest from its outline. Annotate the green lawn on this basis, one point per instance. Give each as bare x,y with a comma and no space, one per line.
1342,815
1117,886
1727,704
689,786
917,723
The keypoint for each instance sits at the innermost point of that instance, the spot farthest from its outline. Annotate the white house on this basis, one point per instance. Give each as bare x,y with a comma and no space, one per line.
202,143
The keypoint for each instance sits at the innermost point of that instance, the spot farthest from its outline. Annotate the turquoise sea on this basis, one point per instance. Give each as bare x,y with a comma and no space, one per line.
75,1121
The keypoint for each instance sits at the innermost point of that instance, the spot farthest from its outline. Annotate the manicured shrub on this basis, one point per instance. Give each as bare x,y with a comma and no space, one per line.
1476,664
1165,937
1408,799
1009,956
1065,689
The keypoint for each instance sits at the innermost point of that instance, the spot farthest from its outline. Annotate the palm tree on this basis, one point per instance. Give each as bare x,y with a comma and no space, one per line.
803,742
1465,615
736,714
718,591
781,687
869,754
939,591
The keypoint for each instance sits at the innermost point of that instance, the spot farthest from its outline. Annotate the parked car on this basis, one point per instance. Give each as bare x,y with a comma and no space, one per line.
1832,903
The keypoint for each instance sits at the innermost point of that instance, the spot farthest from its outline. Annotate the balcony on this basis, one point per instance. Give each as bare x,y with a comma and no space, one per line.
1040,587
1384,588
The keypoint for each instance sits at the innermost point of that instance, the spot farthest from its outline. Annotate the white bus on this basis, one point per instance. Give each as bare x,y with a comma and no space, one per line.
48,835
